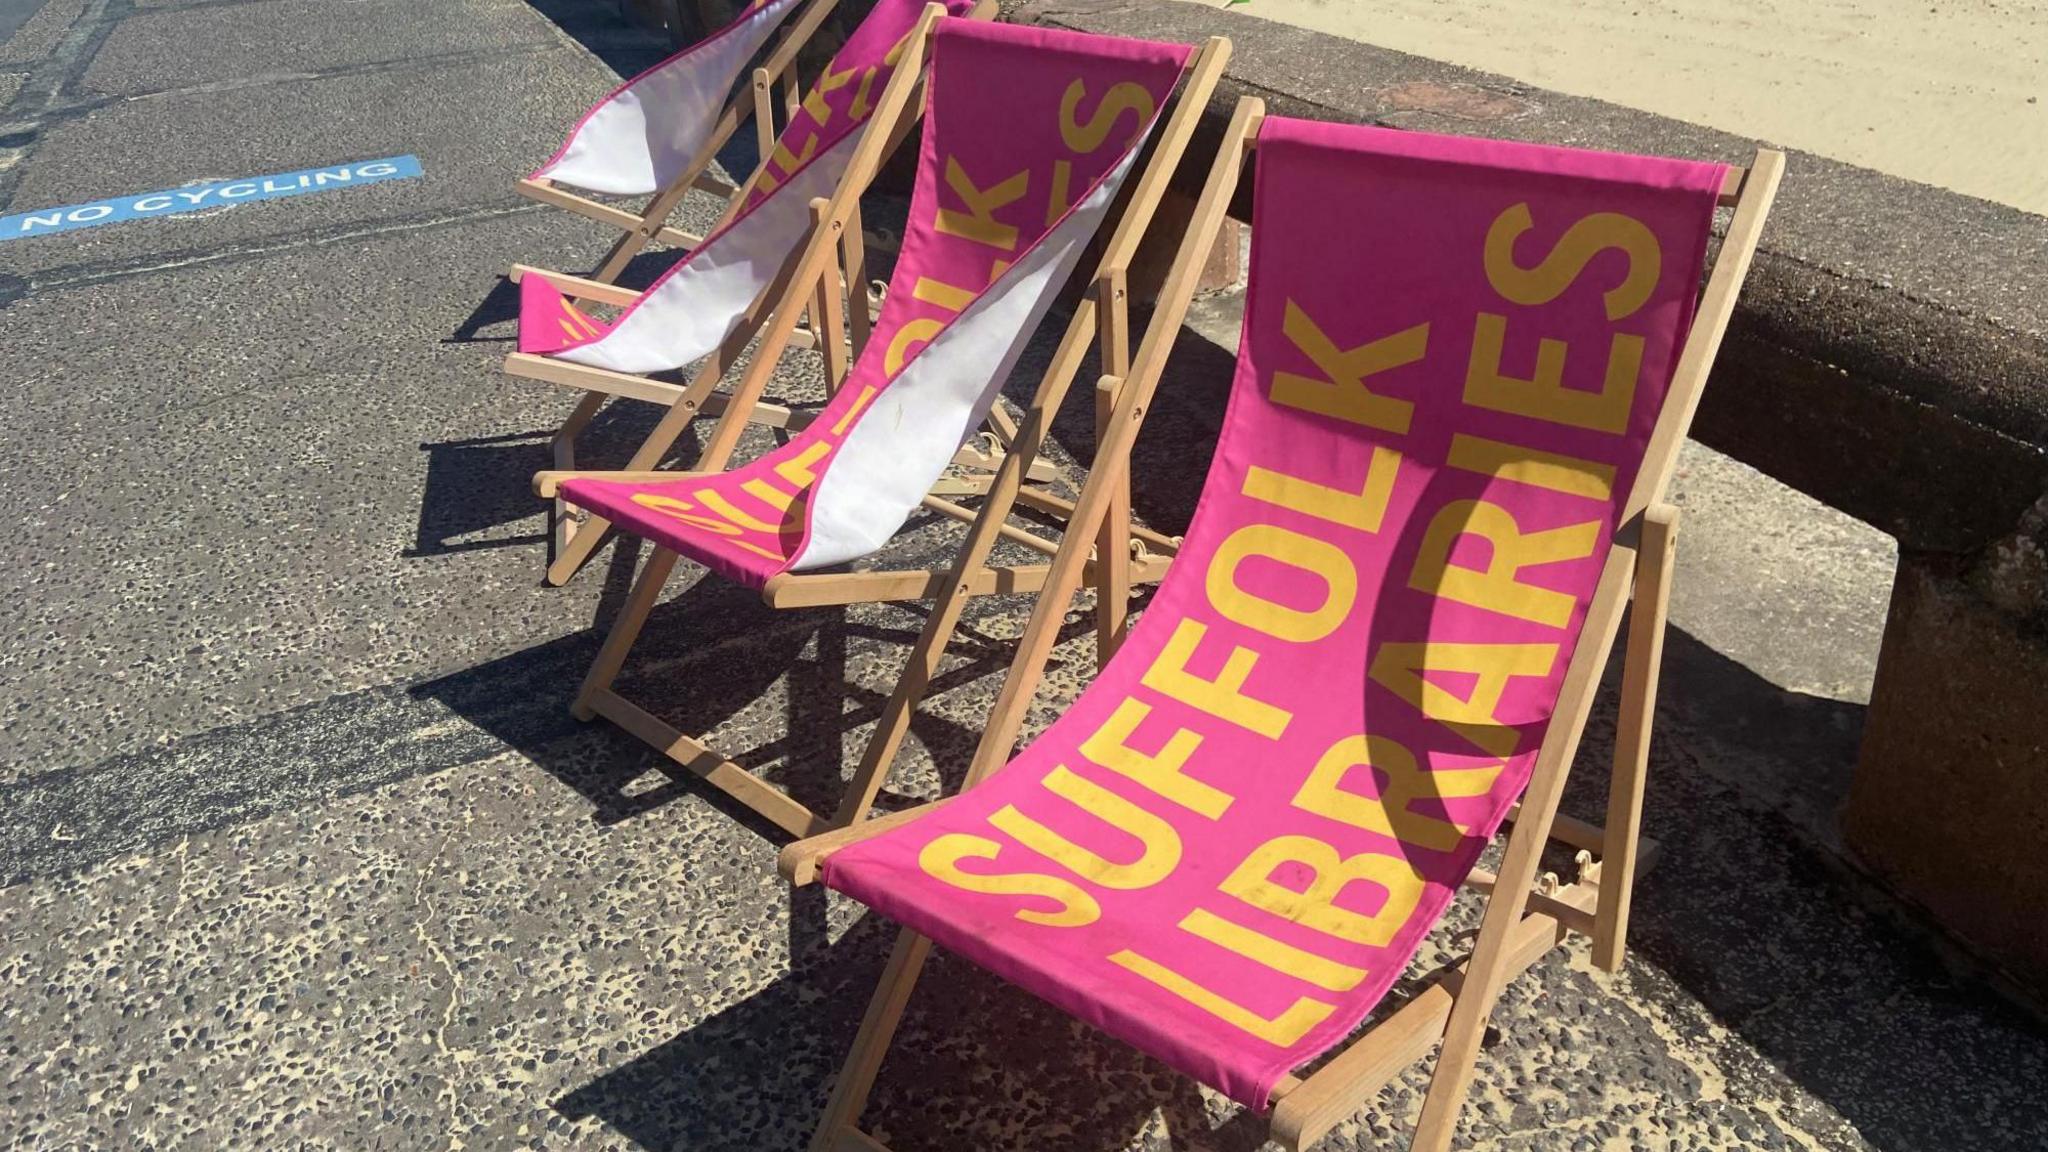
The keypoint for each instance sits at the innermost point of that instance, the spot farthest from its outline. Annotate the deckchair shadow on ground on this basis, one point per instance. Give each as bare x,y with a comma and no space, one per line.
986,252
1466,370
723,294
776,1045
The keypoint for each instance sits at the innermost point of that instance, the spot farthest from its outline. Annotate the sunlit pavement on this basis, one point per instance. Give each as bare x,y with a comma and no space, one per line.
303,849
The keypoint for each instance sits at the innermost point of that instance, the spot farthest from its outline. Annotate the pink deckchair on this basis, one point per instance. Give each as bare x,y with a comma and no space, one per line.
1030,136
1465,370
656,134
713,301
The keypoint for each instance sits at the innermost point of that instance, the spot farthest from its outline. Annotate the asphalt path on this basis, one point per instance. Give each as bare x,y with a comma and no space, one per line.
300,847
15,13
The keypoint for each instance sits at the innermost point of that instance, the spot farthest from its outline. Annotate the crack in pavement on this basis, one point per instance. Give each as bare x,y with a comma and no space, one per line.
448,1091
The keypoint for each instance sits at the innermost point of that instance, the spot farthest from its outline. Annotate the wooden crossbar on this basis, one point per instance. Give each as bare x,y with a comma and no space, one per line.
819,589
548,192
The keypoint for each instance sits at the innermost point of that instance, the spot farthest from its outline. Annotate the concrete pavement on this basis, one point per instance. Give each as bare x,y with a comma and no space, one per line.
302,850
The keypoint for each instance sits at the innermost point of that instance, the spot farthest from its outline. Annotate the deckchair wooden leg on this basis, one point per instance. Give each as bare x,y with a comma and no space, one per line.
764,114
1632,733
828,322
854,256
894,723
877,1028
586,409
625,630
1455,1061
1113,543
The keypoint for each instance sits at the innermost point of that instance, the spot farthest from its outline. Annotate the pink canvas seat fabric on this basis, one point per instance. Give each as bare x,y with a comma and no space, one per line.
1235,840
1029,134
694,305
645,132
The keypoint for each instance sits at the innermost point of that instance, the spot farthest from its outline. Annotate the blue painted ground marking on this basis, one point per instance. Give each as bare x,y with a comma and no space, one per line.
171,201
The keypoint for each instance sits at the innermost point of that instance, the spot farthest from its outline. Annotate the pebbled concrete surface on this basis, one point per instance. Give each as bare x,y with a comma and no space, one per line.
300,848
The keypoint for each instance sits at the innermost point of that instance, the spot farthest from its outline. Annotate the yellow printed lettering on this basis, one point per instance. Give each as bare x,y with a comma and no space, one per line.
1222,697
1404,669
1362,510
828,82
1278,955
684,511
860,107
896,50
1522,465
1160,771
725,508
1498,587
789,161
950,297
917,332
1121,98
941,859
1584,240
1159,844
978,223
768,494
1062,181
1402,783
798,468
853,411
1544,396
1320,558
1281,1031
1314,905
1343,393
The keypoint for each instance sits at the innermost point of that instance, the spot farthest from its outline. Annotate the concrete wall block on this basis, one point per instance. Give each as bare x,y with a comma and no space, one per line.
1950,797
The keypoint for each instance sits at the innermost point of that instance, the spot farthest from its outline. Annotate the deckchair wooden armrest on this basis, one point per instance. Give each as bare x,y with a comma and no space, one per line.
576,286
546,484
548,192
799,862
602,380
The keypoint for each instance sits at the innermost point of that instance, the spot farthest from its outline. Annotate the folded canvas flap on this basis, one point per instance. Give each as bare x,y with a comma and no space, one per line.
645,133
690,310
1233,843
1029,134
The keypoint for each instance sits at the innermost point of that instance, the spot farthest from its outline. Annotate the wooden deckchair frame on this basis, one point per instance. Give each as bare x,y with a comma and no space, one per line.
1523,920
576,539
1100,318
753,102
